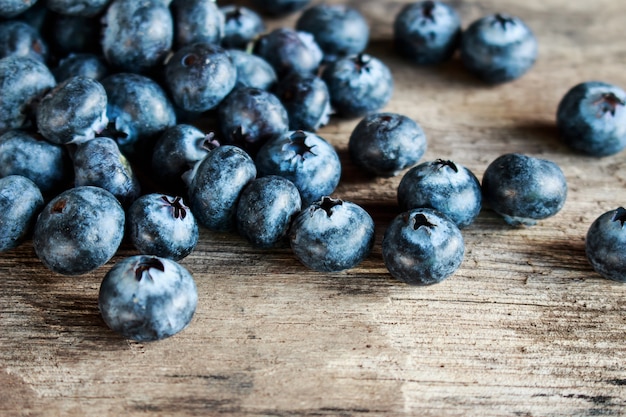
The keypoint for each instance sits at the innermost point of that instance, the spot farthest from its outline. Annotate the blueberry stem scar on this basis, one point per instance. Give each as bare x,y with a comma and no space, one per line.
419,220
179,210
146,265
447,163
619,215
608,103
328,203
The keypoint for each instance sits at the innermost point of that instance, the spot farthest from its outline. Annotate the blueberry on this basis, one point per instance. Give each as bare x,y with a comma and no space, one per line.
217,184
99,162
74,111
288,50
138,110
249,117
304,158
252,70
332,235
306,99
24,81
422,247
498,48
265,210
280,7
137,35
75,34
449,188
339,30
241,26
28,154
591,118
147,298
20,202
605,245
85,8
524,189
197,21
80,64
199,76
79,230
427,32
384,144
11,8
162,225
18,38
358,85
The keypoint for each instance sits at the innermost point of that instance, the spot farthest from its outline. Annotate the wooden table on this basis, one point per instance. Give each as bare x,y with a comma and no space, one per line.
524,328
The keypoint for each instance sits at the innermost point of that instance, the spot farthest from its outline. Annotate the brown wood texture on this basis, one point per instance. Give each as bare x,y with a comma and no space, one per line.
524,328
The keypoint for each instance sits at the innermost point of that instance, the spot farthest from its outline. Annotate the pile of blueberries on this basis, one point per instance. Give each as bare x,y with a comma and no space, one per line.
145,120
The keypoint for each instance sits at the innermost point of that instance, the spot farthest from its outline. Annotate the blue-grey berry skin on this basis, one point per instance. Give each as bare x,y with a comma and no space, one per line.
73,112
449,188
79,230
252,70
30,155
197,21
427,32
11,8
162,225
332,235
279,7
339,30
524,189
216,185
265,210
289,50
498,48
147,298
18,38
81,64
358,85
422,247
591,118
605,245
306,99
86,8
384,144
199,76
137,35
249,117
304,158
23,81
138,110
20,202
100,163
241,26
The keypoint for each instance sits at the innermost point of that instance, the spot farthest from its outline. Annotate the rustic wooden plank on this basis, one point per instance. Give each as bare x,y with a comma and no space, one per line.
525,328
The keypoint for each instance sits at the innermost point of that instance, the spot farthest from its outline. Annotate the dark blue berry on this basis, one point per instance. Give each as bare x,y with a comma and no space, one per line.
11,8
18,38
422,247
280,7
384,144
332,235
197,21
605,245
591,118
83,65
241,27
147,298
20,202
288,50
252,70
75,34
306,99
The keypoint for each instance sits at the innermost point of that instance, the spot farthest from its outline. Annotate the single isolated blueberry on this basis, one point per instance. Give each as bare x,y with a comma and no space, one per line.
306,99
524,189
241,26
11,8
384,144
18,38
73,112
427,32
79,230
605,245
85,8
591,118
197,21
304,158
81,64
288,50
252,70
147,298
498,48
422,247
216,185
199,76
162,225
280,7
20,203
332,235
358,85
265,210
339,30
449,188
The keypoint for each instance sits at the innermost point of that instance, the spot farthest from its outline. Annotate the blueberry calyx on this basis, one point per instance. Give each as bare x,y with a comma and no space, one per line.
298,145
419,220
362,62
427,10
113,131
59,206
327,204
179,210
145,265
447,163
189,60
234,14
210,142
619,216
608,103
503,20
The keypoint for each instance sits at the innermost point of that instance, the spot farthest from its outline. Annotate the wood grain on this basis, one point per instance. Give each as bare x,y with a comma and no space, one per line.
524,328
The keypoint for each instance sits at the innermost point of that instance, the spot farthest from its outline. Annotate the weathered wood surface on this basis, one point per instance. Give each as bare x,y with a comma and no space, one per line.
525,328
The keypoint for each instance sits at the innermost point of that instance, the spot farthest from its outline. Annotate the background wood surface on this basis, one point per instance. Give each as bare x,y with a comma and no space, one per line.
524,328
